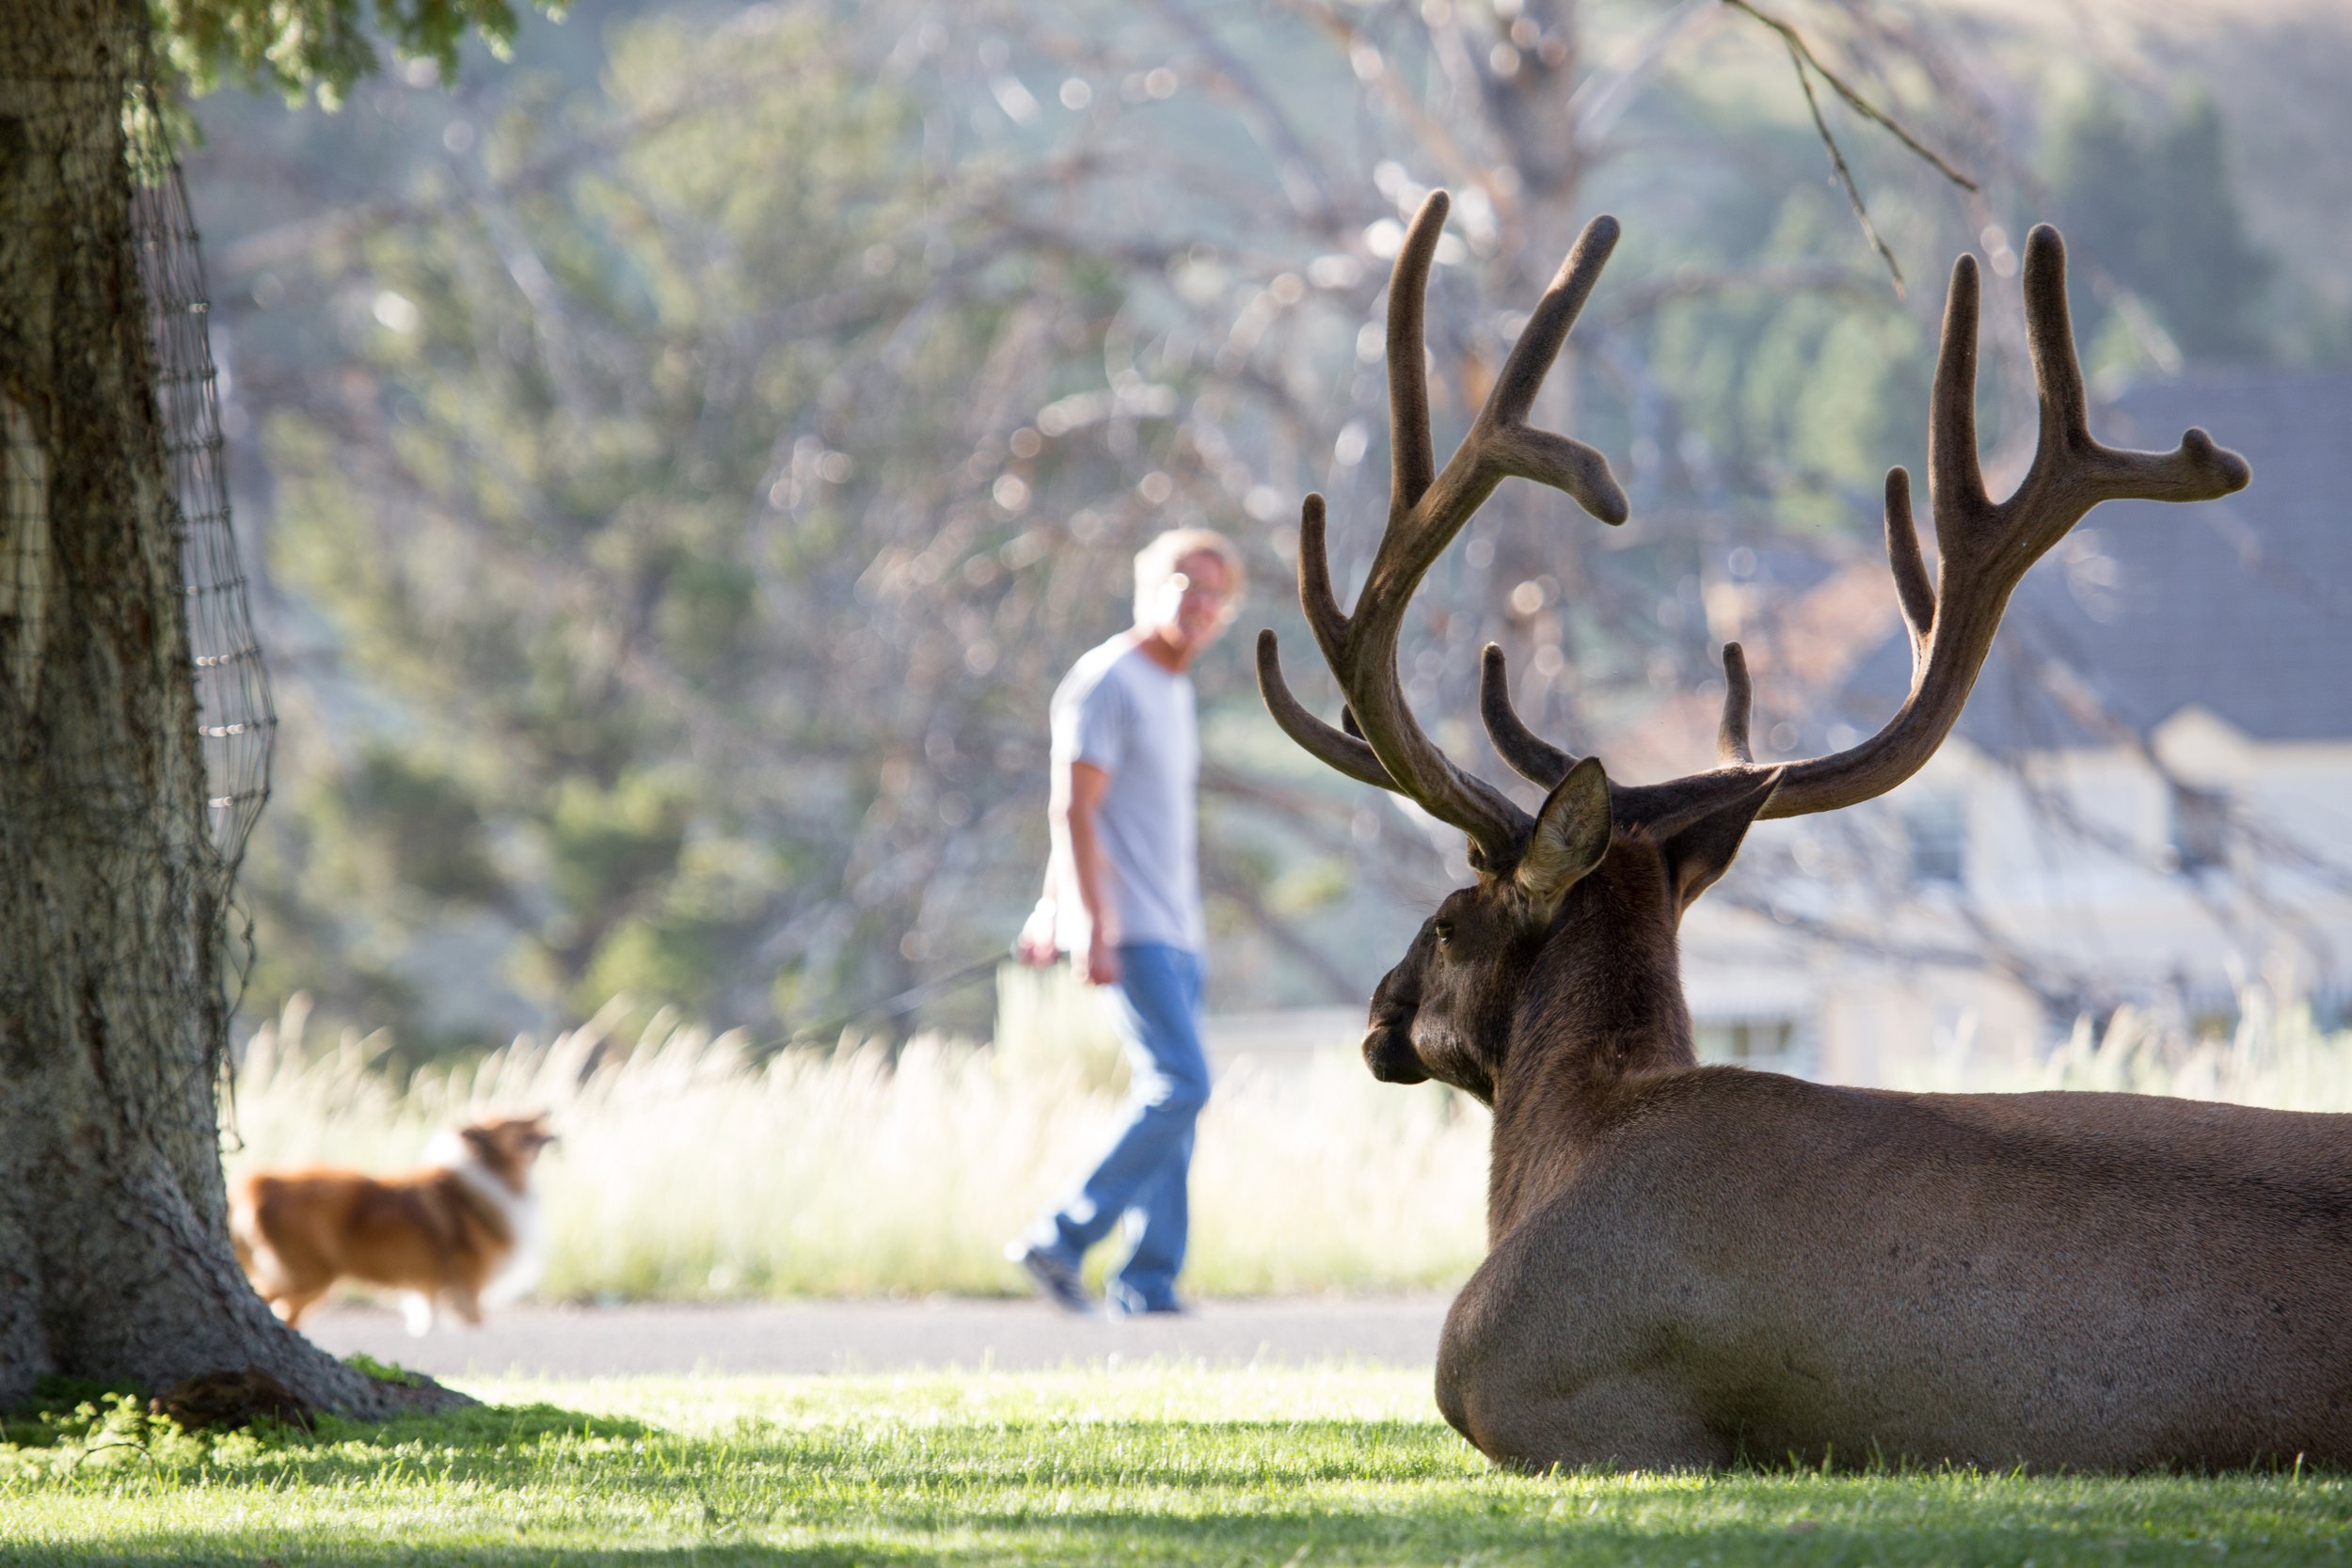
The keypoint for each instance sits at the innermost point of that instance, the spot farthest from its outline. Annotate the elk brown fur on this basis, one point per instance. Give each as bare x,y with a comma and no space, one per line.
1687,1265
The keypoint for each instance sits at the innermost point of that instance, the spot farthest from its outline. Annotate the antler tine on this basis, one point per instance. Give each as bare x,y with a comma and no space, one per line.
2057,373
1413,461
1531,756
1955,482
1325,617
1342,749
1731,736
1987,547
1334,749
1548,324
1912,588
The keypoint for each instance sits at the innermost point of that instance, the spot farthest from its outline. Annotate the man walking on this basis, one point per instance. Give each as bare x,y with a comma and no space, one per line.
1122,898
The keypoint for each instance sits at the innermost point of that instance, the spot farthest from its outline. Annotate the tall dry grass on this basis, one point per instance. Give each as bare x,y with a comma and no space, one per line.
2276,1056
689,1170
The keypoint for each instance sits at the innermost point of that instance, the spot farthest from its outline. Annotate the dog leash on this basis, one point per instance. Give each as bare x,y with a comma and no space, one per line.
906,1001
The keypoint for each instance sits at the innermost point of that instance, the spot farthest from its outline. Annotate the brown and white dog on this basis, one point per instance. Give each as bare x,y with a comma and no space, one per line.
464,1231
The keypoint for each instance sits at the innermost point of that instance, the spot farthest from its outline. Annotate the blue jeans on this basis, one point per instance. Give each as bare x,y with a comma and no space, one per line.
1143,1175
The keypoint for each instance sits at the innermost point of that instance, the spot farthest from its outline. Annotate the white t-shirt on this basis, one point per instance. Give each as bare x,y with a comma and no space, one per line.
1133,717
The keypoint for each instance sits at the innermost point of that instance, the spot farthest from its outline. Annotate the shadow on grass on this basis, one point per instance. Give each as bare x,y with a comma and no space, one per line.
1387,1534
504,1487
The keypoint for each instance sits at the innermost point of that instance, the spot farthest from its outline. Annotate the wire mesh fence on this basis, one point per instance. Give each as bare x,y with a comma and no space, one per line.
234,713
26,560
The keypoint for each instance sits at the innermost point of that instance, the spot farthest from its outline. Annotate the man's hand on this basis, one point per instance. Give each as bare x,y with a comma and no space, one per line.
1035,945
1102,966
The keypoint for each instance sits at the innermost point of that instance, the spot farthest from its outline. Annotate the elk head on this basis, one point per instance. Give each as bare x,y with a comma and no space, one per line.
1575,908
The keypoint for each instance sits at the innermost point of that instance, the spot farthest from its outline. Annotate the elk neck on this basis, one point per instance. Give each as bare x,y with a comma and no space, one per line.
1598,1018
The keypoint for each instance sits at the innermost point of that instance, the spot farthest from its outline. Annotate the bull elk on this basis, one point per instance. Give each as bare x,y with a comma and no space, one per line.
1687,1264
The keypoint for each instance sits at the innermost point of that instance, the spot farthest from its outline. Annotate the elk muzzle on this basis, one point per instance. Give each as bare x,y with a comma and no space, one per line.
1389,1051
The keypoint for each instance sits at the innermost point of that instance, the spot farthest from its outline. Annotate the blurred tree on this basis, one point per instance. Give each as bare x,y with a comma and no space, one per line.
789,499
674,697
2152,200
115,1259
642,474
301,47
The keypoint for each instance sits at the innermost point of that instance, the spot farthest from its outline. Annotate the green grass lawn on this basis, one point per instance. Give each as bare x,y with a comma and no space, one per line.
1143,1464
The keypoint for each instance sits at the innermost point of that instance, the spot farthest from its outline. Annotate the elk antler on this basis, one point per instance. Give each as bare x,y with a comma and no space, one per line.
1986,549
1529,754
1379,742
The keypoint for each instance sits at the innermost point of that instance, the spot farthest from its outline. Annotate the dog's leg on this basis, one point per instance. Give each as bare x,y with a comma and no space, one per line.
416,1311
468,1302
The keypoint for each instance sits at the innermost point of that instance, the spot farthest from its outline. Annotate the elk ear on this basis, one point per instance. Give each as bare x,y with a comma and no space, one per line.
1698,852
1571,836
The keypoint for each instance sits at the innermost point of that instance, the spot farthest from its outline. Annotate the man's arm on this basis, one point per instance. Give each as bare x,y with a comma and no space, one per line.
1036,945
1079,789
1081,798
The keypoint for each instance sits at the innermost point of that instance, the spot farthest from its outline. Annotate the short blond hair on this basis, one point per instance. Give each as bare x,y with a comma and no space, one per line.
1156,562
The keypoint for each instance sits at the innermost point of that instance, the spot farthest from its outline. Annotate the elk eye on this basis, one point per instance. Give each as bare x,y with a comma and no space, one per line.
1444,931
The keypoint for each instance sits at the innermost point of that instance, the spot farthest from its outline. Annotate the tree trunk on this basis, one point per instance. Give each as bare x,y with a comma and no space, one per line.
115,1260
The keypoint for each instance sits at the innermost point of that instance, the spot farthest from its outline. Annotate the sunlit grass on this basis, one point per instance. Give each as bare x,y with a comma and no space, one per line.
687,1170
1153,1465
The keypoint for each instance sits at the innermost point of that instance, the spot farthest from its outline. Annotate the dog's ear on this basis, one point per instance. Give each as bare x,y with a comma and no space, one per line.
480,1142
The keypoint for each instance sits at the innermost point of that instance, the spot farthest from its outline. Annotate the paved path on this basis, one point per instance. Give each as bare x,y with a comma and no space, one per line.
865,1337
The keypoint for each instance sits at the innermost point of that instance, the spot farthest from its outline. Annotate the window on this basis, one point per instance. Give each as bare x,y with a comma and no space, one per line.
2200,827
1937,828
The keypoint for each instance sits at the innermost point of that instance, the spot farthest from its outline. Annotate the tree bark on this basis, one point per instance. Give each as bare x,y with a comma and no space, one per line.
114,1259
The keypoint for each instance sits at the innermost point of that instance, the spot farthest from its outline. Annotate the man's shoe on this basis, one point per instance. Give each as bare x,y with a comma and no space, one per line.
1127,1303
1054,1277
